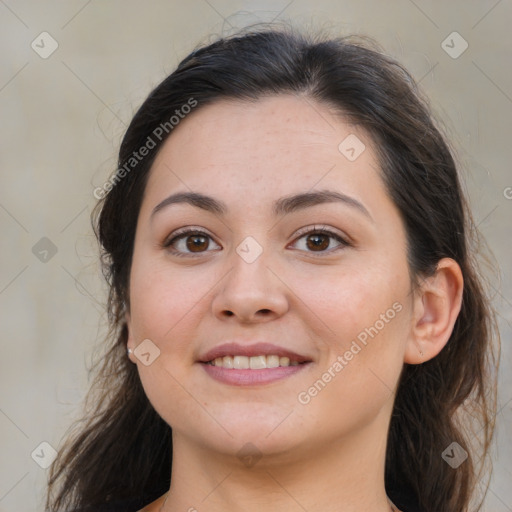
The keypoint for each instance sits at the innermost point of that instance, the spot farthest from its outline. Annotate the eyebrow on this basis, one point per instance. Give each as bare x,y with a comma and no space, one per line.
282,206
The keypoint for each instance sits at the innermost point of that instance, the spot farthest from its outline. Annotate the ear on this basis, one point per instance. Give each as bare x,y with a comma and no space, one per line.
437,304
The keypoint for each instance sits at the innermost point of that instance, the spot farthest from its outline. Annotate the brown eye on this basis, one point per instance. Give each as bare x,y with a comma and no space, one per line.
190,242
320,241
197,243
317,242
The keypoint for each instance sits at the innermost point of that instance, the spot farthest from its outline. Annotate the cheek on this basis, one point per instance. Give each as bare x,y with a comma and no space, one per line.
350,302
361,362
172,395
165,307
364,320
162,299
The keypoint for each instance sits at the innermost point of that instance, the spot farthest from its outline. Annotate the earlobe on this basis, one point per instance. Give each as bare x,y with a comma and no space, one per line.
130,346
436,306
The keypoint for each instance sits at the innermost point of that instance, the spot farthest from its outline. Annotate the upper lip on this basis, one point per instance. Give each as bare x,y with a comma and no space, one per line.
254,349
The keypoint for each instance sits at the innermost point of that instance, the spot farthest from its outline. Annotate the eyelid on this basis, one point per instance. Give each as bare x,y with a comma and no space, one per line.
182,233
320,228
185,230
344,240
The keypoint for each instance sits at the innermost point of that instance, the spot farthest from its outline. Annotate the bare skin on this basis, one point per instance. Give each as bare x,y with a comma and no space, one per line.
322,450
157,505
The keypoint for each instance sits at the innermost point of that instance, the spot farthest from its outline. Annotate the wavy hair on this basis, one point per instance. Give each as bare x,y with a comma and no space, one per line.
122,449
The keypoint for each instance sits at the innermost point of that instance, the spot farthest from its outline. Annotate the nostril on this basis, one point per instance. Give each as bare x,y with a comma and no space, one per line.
260,312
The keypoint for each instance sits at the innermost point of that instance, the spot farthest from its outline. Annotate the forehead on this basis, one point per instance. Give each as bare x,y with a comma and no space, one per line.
275,145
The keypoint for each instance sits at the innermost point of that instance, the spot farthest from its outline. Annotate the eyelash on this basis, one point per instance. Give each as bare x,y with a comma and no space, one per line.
185,232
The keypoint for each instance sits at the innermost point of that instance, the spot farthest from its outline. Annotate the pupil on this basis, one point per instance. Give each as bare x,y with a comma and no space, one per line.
196,242
318,241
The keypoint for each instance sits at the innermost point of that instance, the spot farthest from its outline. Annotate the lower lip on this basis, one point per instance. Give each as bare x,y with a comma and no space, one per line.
251,377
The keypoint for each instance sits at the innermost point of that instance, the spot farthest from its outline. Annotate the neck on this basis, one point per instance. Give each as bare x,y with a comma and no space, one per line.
346,476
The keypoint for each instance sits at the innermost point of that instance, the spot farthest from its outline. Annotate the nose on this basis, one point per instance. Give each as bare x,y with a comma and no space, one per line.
250,292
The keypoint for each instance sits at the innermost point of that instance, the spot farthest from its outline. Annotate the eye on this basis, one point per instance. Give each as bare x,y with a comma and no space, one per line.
320,240
189,241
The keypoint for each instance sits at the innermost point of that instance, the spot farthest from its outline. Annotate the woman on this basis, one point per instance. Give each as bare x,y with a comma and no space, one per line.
297,318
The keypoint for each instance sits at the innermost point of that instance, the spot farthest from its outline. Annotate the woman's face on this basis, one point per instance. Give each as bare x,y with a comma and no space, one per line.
295,251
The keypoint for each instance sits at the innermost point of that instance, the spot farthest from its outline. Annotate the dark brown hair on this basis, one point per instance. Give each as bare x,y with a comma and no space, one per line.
122,449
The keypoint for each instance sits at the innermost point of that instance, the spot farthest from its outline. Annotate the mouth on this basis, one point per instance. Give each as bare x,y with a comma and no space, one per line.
254,362
259,363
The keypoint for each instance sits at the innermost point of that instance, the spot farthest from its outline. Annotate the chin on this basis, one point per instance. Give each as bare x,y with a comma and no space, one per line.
269,434
272,449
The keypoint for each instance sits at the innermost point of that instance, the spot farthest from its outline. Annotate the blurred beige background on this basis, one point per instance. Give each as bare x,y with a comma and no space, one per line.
62,117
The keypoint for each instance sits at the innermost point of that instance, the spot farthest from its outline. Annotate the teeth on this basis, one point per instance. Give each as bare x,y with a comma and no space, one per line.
257,362
240,362
253,363
227,362
272,361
